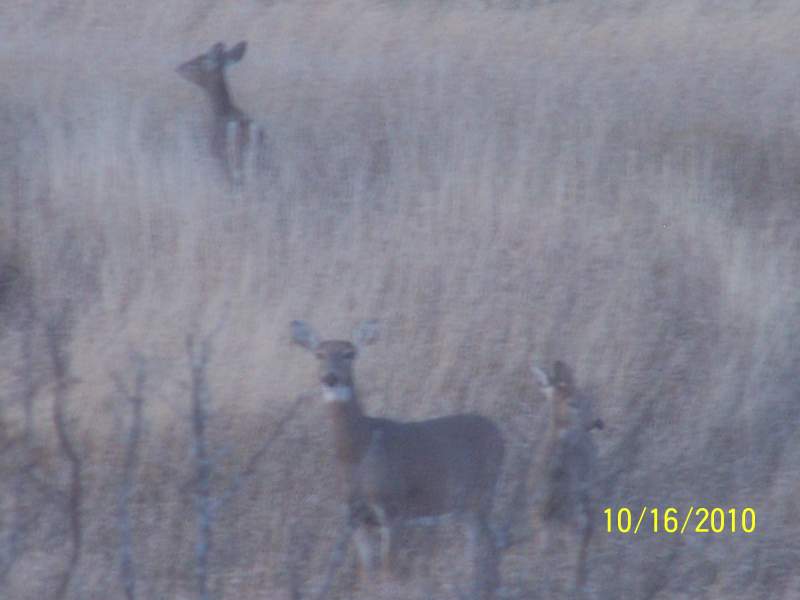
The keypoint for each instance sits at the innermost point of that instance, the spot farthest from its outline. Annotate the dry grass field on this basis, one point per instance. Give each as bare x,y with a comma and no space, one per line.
615,184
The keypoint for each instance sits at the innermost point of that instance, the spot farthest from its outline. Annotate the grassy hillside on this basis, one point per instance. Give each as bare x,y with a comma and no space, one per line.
616,187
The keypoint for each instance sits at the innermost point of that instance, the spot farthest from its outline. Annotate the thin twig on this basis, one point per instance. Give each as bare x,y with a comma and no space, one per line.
58,330
136,400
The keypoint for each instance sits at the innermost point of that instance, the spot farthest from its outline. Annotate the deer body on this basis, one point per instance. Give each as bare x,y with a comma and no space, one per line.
429,468
394,472
235,140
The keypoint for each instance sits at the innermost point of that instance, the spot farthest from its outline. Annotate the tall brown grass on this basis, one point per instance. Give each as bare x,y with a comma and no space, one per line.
615,187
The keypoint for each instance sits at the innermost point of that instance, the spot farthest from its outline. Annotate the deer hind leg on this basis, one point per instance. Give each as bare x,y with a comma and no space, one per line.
234,158
253,156
387,549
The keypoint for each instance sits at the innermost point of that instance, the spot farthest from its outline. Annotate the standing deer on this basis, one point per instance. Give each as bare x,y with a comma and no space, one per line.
235,140
568,463
394,472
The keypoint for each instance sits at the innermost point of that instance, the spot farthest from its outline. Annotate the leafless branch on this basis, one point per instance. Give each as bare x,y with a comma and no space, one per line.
136,400
199,355
30,382
206,504
58,330
291,567
337,556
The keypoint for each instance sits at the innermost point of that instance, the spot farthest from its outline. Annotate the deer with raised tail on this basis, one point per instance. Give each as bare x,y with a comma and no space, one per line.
397,472
236,142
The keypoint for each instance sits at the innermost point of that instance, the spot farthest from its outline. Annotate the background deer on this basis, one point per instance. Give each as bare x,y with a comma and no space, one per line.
393,472
236,142
568,463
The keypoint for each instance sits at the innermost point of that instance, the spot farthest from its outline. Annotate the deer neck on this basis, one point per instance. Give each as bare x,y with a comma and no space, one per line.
560,413
221,101
350,430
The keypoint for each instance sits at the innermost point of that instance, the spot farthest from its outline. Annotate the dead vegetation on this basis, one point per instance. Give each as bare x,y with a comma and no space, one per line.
616,187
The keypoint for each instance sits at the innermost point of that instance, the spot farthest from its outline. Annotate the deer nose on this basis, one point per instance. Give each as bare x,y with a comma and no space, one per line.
330,379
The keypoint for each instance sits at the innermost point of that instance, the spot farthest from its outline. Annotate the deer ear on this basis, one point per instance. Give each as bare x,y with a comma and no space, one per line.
562,374
303,335
236,53
366,333
212,59
541,376
217,51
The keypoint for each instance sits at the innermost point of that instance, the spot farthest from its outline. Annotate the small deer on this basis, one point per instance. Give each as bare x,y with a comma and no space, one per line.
568,463
235,141
395,472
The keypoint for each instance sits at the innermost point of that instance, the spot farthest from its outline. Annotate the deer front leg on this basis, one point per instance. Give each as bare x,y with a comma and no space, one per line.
585,530
388,541
368,559
363,523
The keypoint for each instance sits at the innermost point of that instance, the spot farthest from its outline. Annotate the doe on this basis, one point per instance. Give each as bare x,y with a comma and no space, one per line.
395,472
235,140
568,463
